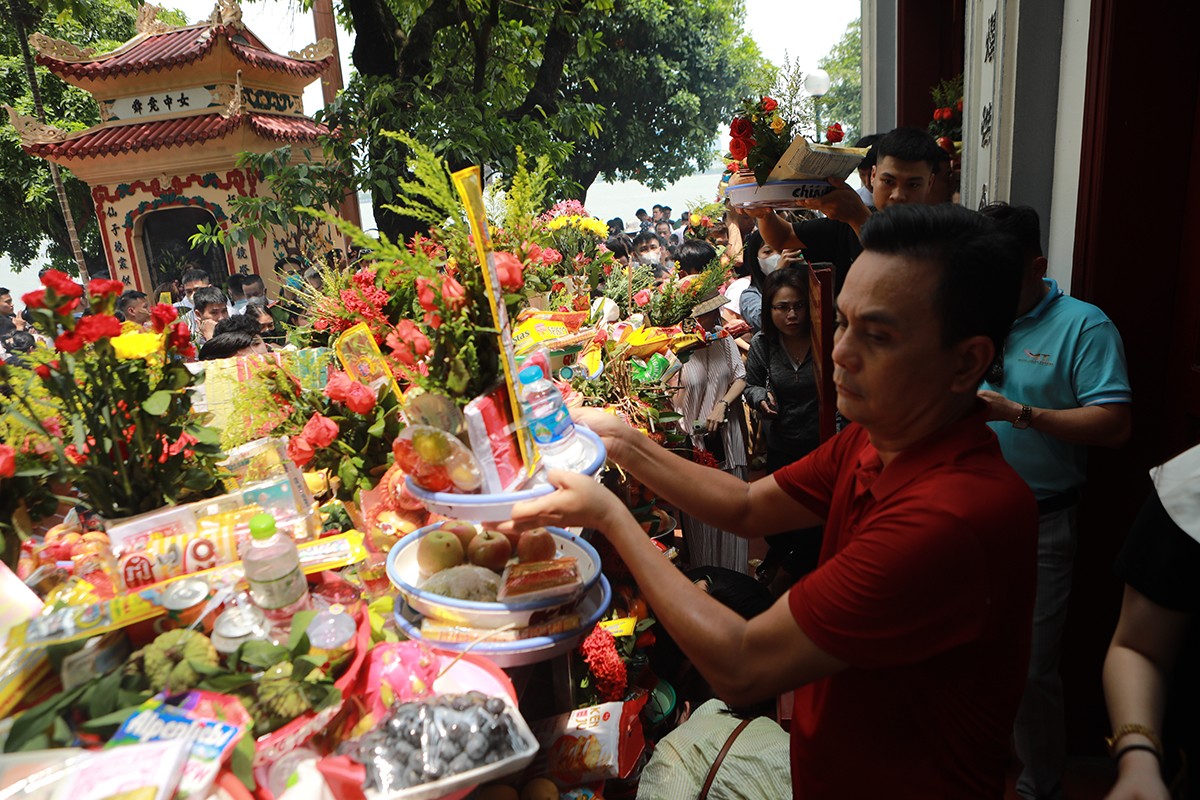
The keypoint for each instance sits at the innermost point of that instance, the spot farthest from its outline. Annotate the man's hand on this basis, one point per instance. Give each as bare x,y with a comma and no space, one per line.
1000,408
789,257
842,204
207,328
758,212
1139,781
612,430
579,500
767,407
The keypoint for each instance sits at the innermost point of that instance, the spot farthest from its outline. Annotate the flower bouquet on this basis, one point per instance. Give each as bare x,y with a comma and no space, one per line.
122,432
785,167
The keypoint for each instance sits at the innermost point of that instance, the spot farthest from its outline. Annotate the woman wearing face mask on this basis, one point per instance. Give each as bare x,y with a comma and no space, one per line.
781,386
760,261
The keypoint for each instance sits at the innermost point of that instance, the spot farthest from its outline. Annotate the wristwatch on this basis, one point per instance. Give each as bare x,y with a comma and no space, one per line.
1024,418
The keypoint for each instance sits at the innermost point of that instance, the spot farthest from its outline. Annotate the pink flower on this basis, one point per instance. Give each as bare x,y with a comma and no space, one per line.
509,270
425,295
300,450
320,431
408,343
642,298
453,293
350,393
550,256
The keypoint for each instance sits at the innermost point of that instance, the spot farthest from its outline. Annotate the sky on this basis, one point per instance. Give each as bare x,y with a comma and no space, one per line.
804,30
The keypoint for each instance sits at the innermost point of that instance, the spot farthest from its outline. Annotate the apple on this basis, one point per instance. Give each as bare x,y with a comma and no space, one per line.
438,550
465,532
389,528
536,545
490,550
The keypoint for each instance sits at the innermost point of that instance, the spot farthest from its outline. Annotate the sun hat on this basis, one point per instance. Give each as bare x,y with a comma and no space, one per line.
710,303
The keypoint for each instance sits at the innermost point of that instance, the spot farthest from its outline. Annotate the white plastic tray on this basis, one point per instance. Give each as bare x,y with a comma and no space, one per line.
405,575
498,507
776,194
525,651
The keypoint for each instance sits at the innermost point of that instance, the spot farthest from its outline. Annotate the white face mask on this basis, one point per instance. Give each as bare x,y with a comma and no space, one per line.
769,264
650,258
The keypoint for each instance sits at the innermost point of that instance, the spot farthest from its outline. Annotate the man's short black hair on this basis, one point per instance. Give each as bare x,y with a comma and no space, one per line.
644,238
1020,222
908,144
235,285
207,296
694,255
4,291
869,140
226,345
127,299
616,225
251,280
243,323
666,208
192,275
656,205
641,212
981,268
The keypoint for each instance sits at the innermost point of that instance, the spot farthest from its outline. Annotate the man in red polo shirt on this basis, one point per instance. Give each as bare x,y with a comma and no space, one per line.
908,645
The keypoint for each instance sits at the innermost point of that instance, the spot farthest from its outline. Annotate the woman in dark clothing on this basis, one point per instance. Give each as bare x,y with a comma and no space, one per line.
781,386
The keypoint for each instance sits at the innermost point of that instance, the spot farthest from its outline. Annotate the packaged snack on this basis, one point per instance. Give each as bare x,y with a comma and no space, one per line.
590,744
494,441
208,742
537,580
434,630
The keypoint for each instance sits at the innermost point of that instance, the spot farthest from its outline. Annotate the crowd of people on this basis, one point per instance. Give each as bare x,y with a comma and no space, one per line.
919,562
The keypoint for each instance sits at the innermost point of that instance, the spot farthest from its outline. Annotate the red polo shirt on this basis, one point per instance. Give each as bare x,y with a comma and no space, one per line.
925,588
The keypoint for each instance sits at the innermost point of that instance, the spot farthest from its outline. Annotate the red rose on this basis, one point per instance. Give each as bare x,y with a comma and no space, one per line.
68,342
179,338
741,128
739,148
834,133
62,285
321,431
162,315
642,298
353,395
552,256
433,319
408,343
34,299
300,450
98,326
8,461
509,270
453,293
958,105
425,296
101,287
769,104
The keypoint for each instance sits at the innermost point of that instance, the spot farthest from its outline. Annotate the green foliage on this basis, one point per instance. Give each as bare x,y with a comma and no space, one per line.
947,101
843,102
669,77
33,217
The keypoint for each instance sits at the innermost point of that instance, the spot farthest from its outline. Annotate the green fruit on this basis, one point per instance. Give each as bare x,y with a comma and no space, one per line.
431,446
281,697
168,660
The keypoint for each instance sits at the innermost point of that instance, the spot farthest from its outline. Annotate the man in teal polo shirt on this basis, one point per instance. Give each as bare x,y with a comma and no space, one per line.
1061,386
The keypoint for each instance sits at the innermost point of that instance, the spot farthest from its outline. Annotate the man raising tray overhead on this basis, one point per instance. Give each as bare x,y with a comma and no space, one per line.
907,647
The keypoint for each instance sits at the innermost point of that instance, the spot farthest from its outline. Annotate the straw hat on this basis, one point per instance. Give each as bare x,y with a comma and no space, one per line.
710,303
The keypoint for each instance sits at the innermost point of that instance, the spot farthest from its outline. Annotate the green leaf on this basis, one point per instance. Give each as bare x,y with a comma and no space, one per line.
241,761
262,655
298,638
157,404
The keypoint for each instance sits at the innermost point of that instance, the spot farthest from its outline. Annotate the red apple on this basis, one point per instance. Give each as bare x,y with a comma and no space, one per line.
465,532
490,550
536,545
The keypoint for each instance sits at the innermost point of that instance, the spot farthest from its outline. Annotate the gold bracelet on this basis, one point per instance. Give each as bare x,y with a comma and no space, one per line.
1133,727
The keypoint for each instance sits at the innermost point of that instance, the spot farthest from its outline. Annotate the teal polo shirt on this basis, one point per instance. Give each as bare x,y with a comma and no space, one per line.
1064,353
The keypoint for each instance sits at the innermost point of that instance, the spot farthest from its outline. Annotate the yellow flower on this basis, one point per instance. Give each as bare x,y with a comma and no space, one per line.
137,345
694,219
777,124
594,226
557,223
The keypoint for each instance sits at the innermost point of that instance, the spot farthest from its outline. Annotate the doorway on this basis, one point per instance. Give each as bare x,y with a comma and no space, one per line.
165,234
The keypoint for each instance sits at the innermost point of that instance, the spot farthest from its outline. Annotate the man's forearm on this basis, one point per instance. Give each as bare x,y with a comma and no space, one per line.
778,234
1099,426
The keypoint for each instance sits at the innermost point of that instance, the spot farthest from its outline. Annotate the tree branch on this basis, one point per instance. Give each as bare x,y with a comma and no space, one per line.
377,37
559,44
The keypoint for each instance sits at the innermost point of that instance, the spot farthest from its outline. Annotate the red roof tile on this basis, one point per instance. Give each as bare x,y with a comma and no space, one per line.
175,132
181,46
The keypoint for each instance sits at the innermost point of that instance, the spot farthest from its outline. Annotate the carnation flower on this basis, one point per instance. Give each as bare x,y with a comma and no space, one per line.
98,326
408,343
425,296
34,299
61,284
162,315
8,461
101,287
453,293
68,342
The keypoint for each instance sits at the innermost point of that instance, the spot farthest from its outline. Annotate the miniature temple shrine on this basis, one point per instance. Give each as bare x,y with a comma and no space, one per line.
177,106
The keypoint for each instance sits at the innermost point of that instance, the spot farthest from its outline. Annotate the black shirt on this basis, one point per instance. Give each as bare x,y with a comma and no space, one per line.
830,241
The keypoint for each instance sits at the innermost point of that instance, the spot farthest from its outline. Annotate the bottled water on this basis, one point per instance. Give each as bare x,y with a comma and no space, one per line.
272,566
550,422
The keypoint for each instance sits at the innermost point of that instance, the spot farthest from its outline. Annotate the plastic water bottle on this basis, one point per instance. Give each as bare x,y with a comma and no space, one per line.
549,422
272,566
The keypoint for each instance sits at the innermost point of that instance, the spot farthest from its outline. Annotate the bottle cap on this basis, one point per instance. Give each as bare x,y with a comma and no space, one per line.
530,374
262,526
